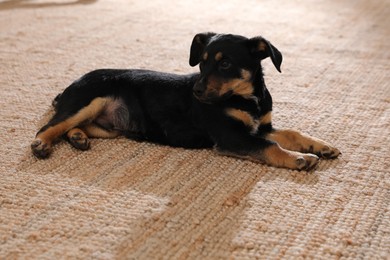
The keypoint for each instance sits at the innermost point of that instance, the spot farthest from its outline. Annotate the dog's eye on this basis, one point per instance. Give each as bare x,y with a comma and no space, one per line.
225,64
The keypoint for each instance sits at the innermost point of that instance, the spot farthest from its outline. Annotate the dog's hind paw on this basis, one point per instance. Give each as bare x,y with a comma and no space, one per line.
79,140
40,149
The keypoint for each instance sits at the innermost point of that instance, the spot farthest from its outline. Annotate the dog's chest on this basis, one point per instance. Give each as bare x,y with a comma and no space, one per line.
248,119
248,112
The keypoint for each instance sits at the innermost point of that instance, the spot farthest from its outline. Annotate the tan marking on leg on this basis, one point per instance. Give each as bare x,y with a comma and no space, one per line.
266,119
76,131
88,113
276,156
95,131
279,157
296,141
41,146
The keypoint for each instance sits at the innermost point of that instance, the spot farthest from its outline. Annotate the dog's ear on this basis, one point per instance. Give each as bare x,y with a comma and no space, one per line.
262,49
198,45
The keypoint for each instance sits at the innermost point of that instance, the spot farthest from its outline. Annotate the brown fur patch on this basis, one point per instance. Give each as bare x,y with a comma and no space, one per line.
266,119
76,131
293,140
93,130
238,86
218,56
244,117
262,46
277,156
246,74
87,113
205,56
296,141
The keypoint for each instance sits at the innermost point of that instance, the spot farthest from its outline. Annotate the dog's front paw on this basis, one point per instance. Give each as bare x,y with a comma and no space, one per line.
307,162
328,152
40,149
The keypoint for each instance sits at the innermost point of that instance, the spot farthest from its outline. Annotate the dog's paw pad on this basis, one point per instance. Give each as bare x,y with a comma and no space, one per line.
307,162
329,152
40,149
79,141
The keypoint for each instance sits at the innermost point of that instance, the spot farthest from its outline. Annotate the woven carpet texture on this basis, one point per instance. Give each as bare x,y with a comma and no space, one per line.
135,200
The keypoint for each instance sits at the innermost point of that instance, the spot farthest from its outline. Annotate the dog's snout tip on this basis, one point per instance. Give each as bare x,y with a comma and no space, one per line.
197,92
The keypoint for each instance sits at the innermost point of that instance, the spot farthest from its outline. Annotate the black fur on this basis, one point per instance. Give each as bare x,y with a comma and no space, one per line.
160,105
226,106
162,108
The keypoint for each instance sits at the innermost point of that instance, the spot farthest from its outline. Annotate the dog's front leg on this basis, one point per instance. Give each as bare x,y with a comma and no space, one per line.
296,141
266,151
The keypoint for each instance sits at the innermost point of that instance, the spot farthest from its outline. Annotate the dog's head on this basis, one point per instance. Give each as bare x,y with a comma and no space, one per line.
229,64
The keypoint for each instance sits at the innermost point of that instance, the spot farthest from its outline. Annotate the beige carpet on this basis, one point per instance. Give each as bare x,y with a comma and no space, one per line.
124,199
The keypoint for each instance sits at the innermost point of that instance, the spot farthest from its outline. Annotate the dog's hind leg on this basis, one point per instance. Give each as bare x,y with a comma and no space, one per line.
42,145
296,141
93,130
78,136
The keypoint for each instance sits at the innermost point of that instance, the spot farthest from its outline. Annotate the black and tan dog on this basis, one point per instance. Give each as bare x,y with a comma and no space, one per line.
226,106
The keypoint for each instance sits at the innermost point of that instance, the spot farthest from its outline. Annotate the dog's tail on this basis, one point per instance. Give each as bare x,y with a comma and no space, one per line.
55,100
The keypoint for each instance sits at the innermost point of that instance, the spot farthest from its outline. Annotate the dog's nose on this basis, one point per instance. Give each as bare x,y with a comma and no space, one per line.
198,90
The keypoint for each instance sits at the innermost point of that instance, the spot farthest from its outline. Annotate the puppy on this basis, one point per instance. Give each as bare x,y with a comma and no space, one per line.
226,106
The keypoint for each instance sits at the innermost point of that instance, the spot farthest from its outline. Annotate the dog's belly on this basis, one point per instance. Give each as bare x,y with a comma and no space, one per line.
171,127
116,116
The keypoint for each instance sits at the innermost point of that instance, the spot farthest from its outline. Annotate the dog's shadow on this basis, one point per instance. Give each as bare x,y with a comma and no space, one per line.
16,4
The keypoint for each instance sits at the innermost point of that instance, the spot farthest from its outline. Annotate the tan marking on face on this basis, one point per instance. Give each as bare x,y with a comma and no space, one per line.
246,74
237,86
262,46
87,113
242,86
244,117
219,87
266,119
205,56
213,86
218,56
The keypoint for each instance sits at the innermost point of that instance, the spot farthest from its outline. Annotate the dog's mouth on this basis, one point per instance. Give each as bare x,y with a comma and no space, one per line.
213,98
203,99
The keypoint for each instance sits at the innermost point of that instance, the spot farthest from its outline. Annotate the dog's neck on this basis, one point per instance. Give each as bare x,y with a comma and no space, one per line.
259,84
